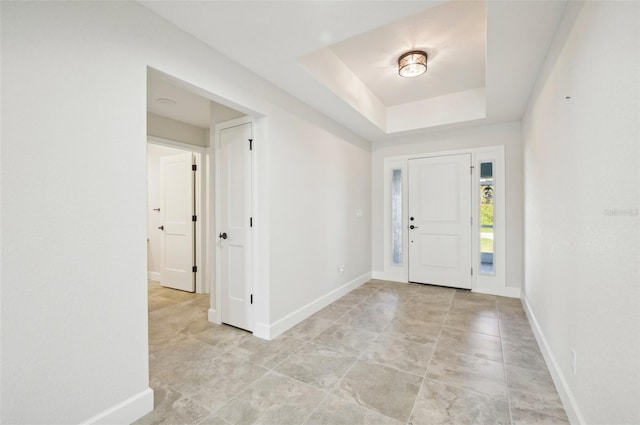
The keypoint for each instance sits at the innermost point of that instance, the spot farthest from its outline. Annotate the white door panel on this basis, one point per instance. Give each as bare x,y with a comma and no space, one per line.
235,212
440,251
177,201
441,183
440,213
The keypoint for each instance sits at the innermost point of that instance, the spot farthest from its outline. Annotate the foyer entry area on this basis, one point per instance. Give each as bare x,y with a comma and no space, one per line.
386,353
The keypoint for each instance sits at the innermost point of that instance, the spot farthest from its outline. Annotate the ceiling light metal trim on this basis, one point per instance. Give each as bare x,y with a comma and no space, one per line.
412,63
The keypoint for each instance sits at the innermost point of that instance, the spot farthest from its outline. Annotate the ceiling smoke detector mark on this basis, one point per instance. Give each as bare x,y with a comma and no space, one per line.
326,37
165,101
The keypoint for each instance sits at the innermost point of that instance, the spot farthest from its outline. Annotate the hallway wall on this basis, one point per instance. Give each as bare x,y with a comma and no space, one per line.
319,224
582,222
74,218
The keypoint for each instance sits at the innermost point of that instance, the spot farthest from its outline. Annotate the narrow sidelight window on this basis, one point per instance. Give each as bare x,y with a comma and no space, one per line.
487,203
396,217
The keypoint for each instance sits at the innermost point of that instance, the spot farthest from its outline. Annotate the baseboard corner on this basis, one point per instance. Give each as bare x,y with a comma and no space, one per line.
377,274
212,316
287,322
393,276
126,412
262,330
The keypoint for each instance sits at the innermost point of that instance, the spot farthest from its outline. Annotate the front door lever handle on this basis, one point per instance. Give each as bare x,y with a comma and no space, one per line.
161,227
413,227
222,235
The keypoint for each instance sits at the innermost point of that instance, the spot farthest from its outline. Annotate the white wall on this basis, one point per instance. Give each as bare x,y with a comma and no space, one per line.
582,199
320,231
507,135
74,222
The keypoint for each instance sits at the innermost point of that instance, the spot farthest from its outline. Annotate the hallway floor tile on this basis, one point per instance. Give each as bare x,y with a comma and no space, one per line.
386,353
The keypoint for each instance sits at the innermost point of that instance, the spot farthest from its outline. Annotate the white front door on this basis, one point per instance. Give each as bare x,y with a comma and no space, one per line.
176,211
234,229
440,220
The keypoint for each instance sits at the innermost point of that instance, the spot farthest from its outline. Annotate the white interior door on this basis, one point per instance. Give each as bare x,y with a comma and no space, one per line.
176,209
440,220
234,229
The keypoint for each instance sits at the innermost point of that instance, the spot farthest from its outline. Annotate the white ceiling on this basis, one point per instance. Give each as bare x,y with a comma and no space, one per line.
271,38
452,34
188,107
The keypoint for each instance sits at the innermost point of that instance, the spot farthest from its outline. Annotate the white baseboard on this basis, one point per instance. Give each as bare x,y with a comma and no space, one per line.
212,316
269,332
262,330
568,400
397,277
506,291
127,411
391,277
155,276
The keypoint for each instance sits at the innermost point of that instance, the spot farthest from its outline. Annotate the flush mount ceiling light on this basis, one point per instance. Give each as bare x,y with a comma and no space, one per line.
412,64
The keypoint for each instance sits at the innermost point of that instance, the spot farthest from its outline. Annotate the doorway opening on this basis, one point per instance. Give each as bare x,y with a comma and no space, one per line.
185,205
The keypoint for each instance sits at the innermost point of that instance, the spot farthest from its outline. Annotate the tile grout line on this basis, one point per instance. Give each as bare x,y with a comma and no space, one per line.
358,358
424,377
272,368
327,393
188,397
504,367
347,372
240,391
532,369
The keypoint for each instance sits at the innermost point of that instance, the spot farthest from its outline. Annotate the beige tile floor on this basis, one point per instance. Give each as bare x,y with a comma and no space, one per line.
386,353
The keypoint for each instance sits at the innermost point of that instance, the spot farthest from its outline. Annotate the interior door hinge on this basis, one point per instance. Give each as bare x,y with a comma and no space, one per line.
194,269
251,298
194,167
250,221
194,218
471,271
471,221
250,144
471,169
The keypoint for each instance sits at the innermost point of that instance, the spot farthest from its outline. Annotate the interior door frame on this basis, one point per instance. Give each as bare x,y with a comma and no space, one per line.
215,312
202,230
489,284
